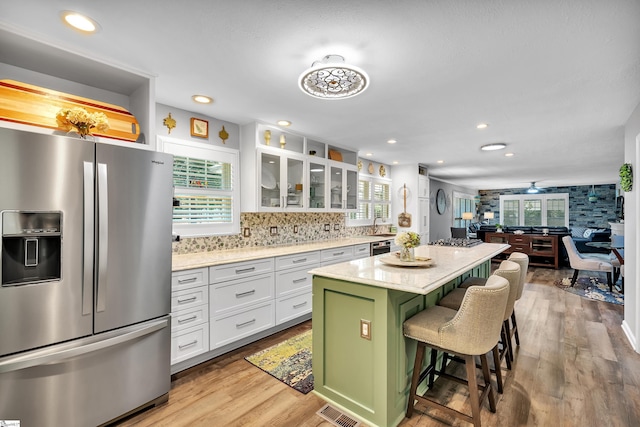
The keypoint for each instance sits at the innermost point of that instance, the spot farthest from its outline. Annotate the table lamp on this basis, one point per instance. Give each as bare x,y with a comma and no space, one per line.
467,216
489,216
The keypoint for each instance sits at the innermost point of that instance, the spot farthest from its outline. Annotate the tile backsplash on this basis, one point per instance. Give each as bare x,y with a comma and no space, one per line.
290,228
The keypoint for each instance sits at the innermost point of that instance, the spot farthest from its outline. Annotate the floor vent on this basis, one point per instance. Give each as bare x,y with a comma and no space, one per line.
337,417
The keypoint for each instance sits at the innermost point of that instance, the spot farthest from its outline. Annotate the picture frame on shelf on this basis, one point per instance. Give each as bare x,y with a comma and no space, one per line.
199,128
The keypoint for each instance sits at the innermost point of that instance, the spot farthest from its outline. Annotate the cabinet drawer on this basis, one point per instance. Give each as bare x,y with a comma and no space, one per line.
291,307
189,279
189,343
520,239
236,270
290,281
332,256
297,260
183,319
232,327
233,295
189,298
519,248
361,251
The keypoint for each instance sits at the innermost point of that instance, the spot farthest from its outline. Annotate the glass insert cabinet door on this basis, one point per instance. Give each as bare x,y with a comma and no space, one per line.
281,183
317,185
337,195
270,196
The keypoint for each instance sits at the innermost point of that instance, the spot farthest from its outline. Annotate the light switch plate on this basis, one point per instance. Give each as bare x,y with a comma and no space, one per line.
365,329
295,229
246,232
273,230
327,227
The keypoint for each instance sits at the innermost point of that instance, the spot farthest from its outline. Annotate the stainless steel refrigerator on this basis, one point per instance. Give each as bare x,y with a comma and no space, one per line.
85,279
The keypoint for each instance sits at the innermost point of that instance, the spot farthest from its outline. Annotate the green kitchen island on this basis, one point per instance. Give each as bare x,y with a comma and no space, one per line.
362,363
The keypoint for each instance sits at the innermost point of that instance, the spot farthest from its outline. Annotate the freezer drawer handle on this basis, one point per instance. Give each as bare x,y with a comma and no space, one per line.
186,300
303,279
245,294
241,325
189,344
244,270
302,304
189,280
188,319
296,261
48,357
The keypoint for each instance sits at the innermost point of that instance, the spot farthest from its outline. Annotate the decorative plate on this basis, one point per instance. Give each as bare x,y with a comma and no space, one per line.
383,171
395,261
359,165
371,168
268,180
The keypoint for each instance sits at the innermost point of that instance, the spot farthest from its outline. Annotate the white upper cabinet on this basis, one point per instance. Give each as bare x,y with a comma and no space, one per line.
286,172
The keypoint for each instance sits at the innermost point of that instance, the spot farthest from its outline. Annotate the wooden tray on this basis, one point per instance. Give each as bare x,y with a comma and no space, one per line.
33,105
395,261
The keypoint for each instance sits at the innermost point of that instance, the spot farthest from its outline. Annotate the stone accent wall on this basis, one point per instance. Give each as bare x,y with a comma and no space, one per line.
310,227
582,213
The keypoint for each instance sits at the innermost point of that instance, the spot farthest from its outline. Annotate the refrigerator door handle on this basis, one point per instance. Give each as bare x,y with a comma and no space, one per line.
87,267
103,242
59,356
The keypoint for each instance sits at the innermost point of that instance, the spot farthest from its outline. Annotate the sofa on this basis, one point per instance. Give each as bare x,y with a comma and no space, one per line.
583,235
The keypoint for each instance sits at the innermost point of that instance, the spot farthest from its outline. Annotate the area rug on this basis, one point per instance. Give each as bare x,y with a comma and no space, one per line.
592,288
288,361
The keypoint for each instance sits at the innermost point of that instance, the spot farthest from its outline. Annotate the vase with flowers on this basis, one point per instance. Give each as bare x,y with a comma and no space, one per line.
79,120
407,240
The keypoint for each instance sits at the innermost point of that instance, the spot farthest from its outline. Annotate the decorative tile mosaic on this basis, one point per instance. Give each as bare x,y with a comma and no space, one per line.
309,226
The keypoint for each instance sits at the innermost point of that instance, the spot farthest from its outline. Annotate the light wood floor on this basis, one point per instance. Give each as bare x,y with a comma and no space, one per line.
574,367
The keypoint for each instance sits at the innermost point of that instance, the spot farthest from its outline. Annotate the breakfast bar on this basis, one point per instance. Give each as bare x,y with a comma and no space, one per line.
361,361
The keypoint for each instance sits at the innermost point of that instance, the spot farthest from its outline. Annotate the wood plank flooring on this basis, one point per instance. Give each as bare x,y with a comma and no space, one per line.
574,367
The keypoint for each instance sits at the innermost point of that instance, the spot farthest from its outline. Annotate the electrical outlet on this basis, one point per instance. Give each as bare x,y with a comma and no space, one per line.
273,230
336,227
246,232
295,229
365,329
327,227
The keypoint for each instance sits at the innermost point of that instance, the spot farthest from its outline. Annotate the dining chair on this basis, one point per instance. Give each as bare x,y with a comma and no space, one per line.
578,262
458,233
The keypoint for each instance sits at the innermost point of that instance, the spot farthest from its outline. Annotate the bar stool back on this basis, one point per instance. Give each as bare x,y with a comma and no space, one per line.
471,331
523,262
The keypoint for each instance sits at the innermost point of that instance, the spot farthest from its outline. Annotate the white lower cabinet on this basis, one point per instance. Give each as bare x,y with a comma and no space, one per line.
292,307
231,327
189,314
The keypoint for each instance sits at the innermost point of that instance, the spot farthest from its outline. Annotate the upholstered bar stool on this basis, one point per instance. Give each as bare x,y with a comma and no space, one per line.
510,271
523,261
471,331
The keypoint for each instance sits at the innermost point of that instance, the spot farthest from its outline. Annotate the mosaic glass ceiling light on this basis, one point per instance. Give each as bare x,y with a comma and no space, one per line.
332,78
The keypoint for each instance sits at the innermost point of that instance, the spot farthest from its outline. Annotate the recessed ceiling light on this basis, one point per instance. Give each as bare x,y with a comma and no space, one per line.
284,123
79,21
391,141
368,154
482,125
494,146
509,154
440,161
395,162
202,99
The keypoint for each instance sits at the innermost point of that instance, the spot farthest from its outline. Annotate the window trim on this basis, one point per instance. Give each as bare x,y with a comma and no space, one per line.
544,197
179,147
371,201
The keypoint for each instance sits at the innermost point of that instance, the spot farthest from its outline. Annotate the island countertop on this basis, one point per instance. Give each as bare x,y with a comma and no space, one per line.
449,262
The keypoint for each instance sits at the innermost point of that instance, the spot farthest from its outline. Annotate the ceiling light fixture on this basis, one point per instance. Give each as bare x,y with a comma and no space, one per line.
482,126
440,161
332,78
494,146
284,123
395,162
79,22
509,154
391,141
533,189
202,99
368,154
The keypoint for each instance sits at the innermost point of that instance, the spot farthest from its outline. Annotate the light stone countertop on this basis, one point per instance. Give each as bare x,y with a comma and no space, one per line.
225,256
449,263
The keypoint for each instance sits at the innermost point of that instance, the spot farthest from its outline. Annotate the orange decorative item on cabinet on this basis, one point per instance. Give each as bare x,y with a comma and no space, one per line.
33,105
335,155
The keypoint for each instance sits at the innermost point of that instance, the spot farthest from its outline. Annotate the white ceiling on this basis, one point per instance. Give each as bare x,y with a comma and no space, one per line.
555,79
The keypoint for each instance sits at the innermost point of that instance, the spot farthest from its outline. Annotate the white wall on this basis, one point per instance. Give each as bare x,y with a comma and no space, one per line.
631,323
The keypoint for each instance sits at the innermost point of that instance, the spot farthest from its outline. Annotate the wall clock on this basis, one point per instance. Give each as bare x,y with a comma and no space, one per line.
441,201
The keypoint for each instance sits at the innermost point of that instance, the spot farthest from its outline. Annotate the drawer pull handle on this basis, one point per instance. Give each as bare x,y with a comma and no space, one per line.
244,270
189,344
188,319
303,279
296,261
245,294
243,324
338,253
189,280
182,301
302,304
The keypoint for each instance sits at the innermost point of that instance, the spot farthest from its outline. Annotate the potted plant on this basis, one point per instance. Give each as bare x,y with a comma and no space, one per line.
498,228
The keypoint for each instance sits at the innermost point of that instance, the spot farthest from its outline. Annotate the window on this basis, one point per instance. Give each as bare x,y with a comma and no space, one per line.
535,210
374,198
205,183
462,203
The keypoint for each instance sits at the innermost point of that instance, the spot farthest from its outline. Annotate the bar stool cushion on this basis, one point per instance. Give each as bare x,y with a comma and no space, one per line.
419,327
453,300
472,281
